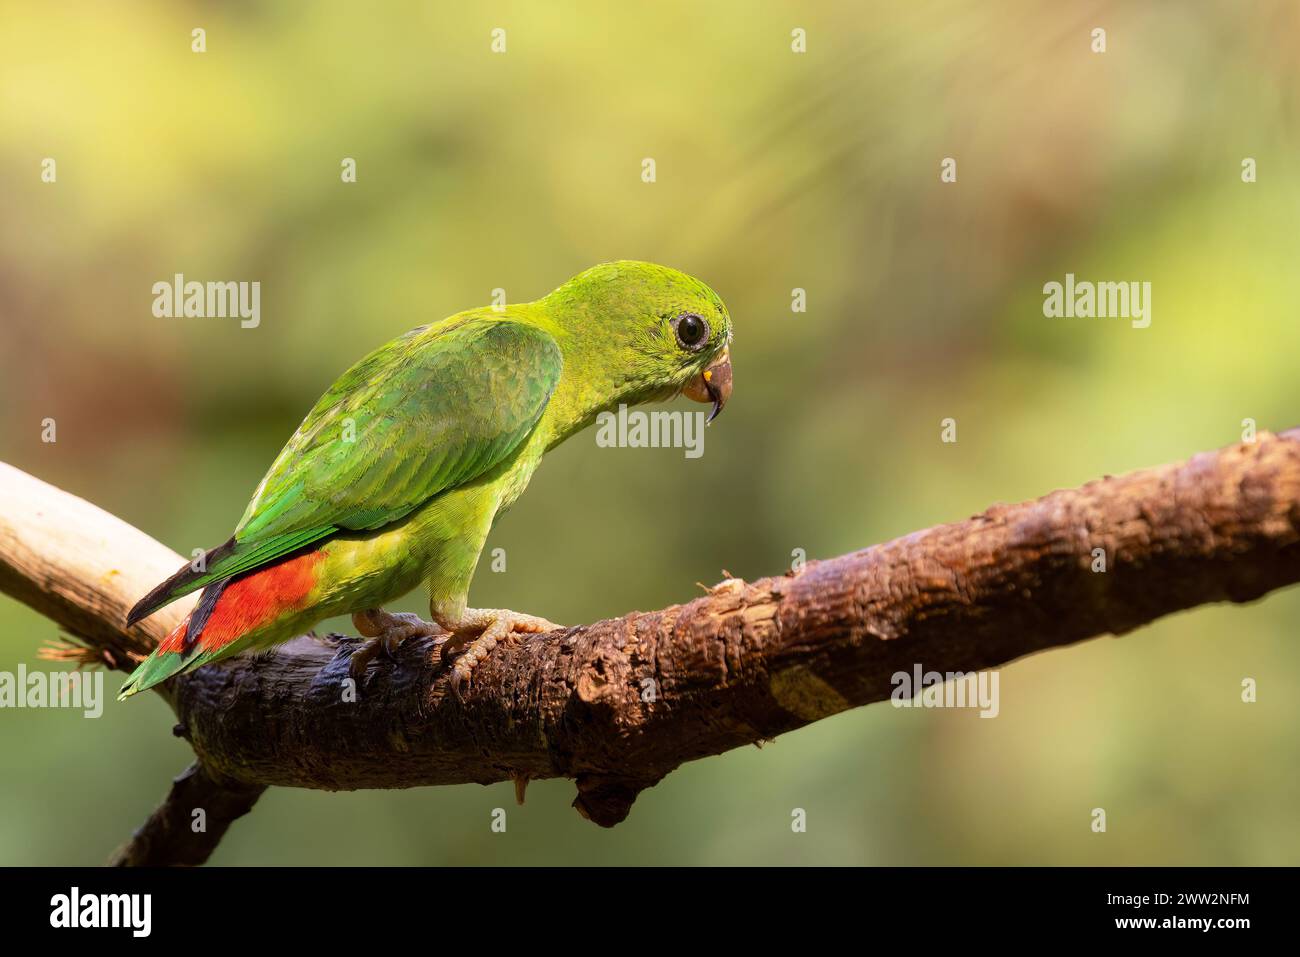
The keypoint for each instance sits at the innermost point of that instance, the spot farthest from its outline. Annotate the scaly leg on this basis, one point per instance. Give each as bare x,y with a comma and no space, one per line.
386,630
479,630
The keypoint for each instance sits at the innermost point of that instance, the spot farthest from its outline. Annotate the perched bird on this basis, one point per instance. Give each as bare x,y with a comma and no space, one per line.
399,472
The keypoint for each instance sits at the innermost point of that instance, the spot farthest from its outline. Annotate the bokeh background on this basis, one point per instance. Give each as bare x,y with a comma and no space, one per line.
775,170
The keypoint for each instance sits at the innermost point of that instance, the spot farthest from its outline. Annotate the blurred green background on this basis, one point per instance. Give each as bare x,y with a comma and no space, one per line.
775,170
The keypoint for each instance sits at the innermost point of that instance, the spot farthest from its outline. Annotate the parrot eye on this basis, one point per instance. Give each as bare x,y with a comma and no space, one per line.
692,330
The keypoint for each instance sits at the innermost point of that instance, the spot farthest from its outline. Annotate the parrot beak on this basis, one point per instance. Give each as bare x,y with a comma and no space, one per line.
712,385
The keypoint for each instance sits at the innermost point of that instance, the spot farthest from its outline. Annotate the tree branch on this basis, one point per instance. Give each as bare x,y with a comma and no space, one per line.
189,824
621,703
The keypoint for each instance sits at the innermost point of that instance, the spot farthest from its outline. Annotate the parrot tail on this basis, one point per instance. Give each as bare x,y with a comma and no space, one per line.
160,665
180,649
229,615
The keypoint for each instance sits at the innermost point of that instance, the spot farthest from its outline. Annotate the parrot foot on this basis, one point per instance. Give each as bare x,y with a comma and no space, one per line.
479,631
386,630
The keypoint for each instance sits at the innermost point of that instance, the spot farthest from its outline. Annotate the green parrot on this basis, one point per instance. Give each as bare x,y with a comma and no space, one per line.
398,473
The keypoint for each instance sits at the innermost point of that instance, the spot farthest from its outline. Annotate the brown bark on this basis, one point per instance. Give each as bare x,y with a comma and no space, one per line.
190,823
619,704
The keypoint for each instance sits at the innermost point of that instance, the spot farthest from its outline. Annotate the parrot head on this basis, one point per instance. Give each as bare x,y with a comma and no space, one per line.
659,332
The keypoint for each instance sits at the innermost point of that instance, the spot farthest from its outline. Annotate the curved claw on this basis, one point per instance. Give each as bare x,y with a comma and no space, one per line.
459,676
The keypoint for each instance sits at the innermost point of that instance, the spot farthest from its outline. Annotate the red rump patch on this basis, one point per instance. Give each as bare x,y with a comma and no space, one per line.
175,642
250,602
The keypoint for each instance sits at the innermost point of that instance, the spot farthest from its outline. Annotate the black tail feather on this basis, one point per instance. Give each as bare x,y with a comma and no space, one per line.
203,611
174,587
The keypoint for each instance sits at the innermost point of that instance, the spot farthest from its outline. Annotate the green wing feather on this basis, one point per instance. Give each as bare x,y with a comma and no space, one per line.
432,410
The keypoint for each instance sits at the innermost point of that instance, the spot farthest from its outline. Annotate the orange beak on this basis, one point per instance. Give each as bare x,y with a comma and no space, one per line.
713,384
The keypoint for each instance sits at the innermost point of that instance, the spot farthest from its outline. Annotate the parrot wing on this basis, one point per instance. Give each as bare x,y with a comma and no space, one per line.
429,411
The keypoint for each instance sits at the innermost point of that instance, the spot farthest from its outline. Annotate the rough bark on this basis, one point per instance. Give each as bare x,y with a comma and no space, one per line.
618,704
